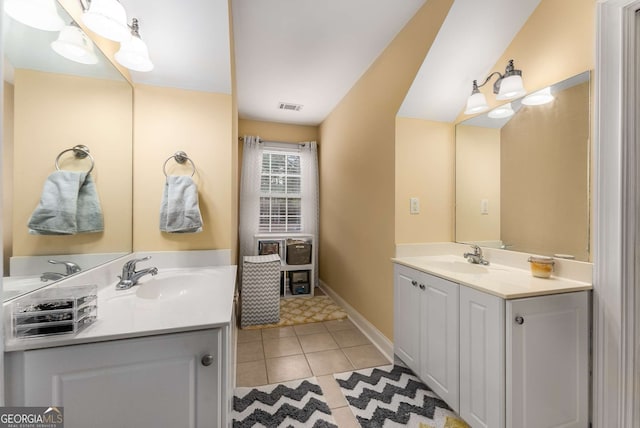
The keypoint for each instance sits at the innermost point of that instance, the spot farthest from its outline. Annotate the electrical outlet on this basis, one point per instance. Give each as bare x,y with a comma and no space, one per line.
414,206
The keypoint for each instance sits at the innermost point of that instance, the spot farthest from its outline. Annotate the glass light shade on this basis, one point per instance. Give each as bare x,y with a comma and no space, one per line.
538,98
40,14
511,87
73,44
134,55
476,103
108,19
501,112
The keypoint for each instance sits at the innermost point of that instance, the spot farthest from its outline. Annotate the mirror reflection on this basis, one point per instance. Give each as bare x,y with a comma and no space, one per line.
52,104
522,177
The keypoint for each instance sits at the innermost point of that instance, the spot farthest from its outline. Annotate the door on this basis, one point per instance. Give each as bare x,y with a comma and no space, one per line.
406,317
482,378
548,361
440,337
147,382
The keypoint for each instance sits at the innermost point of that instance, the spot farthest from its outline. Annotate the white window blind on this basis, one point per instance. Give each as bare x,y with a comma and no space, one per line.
280,192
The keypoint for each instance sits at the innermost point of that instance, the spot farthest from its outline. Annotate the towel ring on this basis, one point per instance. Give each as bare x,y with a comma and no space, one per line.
180,157
79,152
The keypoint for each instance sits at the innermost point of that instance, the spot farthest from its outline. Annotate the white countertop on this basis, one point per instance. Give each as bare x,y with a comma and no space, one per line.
500,280
122,314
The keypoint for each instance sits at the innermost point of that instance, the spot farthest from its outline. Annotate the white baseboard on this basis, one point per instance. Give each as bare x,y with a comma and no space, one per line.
381,342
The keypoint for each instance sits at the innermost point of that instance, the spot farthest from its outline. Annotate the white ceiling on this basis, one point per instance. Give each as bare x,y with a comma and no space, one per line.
312,52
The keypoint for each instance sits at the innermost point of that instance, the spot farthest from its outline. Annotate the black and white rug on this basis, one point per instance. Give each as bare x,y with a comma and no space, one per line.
298,404
392,396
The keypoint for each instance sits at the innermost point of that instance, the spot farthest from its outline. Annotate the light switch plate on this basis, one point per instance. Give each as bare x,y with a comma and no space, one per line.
414,206
484,206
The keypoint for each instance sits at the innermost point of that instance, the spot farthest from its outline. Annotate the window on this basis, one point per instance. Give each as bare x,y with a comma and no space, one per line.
280,192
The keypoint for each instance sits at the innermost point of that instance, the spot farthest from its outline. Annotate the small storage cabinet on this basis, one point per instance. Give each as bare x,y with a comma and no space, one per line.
297,265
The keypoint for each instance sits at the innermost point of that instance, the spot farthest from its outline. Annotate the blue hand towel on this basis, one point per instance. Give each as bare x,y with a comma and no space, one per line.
179,211
69,204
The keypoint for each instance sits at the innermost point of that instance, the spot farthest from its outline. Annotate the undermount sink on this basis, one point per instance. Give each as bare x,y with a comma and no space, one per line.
174,284
459,266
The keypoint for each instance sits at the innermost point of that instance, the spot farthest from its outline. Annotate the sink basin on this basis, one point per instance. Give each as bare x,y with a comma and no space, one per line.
175,284
459,267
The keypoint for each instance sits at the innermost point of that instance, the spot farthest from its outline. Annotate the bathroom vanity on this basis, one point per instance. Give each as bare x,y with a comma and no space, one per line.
159,354
502,348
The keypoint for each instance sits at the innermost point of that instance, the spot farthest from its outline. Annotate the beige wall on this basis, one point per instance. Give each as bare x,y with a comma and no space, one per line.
424,153
7,175
55,112
357,173
477,178
201,124
272,131
560,148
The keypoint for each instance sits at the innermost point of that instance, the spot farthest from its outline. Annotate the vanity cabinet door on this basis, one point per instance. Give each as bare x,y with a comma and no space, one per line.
439,343
482,359
406,319
548,361
157,381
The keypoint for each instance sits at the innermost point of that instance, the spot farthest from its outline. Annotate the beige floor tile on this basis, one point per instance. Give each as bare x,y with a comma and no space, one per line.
248,335
253,373
311,328
326,362
344,418
351,337
364,356
283,369
317,342
277,332
281,347
337,325
249,351
331,390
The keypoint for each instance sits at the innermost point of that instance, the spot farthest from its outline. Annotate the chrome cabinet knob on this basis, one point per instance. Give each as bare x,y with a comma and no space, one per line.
207,360
422,287
414,283
519,320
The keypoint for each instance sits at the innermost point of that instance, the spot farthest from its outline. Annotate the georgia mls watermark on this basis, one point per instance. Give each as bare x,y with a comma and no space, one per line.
31,417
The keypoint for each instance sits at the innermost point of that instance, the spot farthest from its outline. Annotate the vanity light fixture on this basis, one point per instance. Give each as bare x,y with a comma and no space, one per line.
73,44
40,14
507,87
133,52
538,98
106,18
501,112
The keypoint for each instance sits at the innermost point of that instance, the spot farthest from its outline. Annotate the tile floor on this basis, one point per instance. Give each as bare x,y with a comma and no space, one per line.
274,355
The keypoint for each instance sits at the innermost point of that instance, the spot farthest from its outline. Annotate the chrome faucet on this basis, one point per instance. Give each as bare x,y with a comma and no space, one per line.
130,276
70,269
476,257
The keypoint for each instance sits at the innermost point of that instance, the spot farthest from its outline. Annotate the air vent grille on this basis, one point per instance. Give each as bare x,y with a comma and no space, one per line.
289,106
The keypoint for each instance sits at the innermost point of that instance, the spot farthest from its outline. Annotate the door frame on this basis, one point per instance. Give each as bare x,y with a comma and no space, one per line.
616,222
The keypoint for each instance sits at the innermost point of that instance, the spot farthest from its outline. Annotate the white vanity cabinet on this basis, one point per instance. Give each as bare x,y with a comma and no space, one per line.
426,331
172,380
517,363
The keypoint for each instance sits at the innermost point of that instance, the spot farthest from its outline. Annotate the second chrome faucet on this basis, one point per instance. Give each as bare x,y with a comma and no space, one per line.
476,257
130,276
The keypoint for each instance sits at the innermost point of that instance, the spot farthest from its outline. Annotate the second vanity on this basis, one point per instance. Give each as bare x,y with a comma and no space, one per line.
159,354
500,347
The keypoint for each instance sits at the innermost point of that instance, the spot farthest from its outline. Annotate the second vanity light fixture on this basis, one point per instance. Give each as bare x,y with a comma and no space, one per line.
108,19
507,87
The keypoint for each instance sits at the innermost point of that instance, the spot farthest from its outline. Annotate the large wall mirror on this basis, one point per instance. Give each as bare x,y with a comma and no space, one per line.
50,105
522,181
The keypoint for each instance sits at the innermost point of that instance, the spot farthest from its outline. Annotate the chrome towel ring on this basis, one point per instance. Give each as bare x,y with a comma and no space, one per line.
180,157
79,152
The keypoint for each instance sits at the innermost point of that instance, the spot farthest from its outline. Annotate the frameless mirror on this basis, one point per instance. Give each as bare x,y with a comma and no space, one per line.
50,105
522,181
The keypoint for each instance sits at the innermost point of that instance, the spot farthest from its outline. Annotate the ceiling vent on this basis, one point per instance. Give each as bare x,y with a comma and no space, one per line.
290,106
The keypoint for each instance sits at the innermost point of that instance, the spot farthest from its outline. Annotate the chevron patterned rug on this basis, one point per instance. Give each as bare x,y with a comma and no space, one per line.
303,310
392,396
298,404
